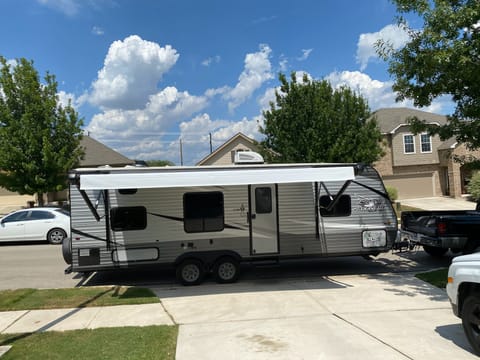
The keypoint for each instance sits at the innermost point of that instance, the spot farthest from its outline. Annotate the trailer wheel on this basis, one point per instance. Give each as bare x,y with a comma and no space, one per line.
434,251
471,321
226,270
67,250
190,272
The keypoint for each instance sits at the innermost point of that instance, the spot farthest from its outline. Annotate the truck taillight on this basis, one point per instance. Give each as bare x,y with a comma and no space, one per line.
441,228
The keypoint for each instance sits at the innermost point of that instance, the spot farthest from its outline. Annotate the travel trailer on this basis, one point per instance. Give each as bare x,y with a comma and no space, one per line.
204,220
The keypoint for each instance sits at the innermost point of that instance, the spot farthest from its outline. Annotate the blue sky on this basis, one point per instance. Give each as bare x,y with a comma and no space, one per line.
145,74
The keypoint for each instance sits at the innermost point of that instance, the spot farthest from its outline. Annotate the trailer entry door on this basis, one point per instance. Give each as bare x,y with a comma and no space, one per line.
263,219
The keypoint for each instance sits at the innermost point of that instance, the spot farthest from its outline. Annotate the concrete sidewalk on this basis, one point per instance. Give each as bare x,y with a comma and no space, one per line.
27,321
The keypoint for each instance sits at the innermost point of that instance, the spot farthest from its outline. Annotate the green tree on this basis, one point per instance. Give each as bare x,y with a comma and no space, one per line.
159,163
442,58
474,186
312,122
39,138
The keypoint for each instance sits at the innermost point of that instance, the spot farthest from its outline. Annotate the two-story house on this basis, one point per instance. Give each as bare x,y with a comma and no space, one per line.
420,165
417,165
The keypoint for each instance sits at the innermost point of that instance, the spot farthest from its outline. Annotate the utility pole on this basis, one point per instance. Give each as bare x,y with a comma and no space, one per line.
181,152
211,149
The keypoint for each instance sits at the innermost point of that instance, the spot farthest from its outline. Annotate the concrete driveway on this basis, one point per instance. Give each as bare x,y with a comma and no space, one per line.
439,203
371,316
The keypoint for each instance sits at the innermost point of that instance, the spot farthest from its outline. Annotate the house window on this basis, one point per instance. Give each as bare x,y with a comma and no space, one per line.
426,143
408,144
203,212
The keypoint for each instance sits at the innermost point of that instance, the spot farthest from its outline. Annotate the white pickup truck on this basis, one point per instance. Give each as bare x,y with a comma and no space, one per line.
463,289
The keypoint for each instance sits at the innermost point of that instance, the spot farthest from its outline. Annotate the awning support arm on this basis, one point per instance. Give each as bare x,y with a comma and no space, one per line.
385,195
337,196
92,208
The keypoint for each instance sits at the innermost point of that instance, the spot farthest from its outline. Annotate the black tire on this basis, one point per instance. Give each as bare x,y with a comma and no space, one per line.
67,250
226,270
190,272
434,251
56,236
471,321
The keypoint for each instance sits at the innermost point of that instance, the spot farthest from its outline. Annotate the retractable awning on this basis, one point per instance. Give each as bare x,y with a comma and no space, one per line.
214,177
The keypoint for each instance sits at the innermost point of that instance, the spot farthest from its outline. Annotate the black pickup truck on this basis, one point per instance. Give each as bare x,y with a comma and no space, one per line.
438,231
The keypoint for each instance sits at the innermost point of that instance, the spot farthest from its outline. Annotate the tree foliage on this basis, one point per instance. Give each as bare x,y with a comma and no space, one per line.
474,186
312,122
442,58
159,163
39,138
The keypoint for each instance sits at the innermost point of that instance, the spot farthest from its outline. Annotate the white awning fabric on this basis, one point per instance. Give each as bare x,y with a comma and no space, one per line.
214,177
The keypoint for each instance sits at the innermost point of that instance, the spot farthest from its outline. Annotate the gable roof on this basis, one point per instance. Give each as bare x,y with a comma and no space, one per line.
98,154
390,119
239,137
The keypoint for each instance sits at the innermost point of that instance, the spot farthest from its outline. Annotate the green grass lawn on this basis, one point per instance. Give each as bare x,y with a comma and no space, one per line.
31,299
151,342
437,278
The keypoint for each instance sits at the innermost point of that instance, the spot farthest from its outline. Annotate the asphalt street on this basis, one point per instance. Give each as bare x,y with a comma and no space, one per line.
42,266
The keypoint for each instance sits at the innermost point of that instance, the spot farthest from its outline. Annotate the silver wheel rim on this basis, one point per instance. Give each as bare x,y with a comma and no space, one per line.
190,272
56,236
226,271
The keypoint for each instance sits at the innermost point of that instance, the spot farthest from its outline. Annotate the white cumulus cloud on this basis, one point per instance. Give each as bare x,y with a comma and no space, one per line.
163,110
392,34
379,94
132,69
257,70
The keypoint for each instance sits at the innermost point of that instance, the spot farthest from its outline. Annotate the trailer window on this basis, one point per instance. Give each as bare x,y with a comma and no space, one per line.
203,212
342,208
128,218
263,200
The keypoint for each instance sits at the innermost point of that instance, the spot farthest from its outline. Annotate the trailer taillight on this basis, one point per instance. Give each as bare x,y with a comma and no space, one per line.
441,228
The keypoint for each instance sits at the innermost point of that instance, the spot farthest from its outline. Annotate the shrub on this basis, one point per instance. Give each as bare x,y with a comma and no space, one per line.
474,186
392,193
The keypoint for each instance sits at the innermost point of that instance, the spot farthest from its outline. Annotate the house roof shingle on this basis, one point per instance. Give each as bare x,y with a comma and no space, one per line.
390,119
98,154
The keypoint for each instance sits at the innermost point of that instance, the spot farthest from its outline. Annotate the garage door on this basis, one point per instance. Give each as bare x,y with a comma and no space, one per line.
412,186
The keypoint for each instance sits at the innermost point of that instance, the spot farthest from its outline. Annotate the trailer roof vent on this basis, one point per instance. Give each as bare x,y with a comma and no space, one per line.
247,157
